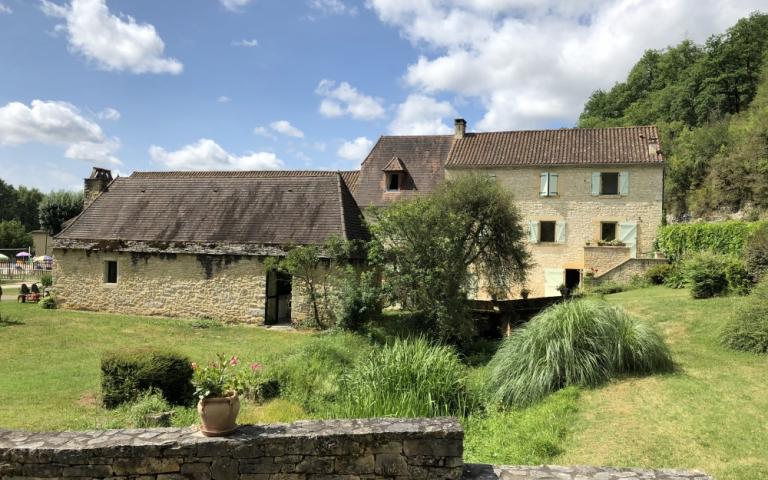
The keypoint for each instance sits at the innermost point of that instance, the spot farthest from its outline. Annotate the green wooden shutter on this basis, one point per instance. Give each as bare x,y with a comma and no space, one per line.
553,184
543,184
560,232
623,183
534,232
596,184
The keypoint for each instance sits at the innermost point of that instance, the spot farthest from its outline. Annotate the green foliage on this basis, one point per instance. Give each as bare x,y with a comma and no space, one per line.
657,275
357,299
147,411
747,329
20,204
580,342
58,207
14,235
202,323
46,280
127,374
739,280
677,241
433,249
712,274
217,379
606,288
311,375
409,378
756,253
530,436
48,303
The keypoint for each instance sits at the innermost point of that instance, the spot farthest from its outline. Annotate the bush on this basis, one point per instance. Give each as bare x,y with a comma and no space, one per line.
48,303
580,342
739,280
409,378
46,280
729,238
607,288
747,329
311,376
149,410
657,275
756,253
705,273
676,276
357,300
125,375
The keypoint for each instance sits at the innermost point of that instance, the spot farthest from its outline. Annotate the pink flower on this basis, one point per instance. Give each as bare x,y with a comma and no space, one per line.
233,361
194,365
255,367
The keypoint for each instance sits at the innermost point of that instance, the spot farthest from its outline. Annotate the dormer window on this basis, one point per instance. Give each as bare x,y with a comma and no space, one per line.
393,182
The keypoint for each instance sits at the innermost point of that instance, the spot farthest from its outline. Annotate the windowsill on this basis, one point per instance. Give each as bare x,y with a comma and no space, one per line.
549,196
110,285
550,244
611,195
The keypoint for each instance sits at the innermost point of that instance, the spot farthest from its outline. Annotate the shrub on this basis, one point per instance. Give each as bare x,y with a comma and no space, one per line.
580,342
657,275
747,329
48,303
676,276
311,376
756,253
125,375
677,241
357,300
149,410
607,288
46,280
409,378
739,280
705,273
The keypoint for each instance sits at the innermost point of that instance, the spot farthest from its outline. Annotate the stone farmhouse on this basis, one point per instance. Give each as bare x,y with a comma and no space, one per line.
195,243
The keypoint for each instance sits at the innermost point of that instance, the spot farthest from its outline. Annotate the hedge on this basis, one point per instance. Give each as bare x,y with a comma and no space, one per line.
125,375
675,241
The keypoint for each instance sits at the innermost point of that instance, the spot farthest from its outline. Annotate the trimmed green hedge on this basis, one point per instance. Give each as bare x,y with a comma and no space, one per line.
125,375
675,241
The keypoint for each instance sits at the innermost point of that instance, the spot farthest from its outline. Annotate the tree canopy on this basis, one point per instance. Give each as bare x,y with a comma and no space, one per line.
20,204
14,235
58,207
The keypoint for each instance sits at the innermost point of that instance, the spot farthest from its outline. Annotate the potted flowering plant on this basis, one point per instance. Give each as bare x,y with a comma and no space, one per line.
216,388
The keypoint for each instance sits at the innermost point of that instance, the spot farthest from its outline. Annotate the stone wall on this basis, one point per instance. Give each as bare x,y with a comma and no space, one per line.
229,288
308,450
581,211
599,259
625,272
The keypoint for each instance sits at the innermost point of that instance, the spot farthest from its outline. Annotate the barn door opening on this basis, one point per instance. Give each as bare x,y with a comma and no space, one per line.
278,307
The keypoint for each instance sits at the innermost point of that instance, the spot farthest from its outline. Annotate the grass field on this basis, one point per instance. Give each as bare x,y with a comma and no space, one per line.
711,414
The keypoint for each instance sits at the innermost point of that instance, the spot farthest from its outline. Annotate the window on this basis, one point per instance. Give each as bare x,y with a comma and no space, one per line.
393,182
548,184
607,231
547,231
609,183
110,271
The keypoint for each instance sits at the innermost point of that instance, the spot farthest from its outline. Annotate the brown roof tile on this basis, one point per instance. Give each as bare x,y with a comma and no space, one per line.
349,176
395,165
573,146
211,208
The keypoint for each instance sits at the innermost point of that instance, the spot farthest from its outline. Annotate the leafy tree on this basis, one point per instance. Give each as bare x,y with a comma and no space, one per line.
28,207
8,201
14,235
58,207
434,250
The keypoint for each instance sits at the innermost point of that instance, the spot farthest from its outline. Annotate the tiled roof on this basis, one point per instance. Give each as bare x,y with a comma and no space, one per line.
395,165
424,158
573,146
211,208
349,176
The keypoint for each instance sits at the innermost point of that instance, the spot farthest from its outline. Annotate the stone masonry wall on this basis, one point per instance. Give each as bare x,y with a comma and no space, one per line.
394,449
581,211
230,288
633,267
599,259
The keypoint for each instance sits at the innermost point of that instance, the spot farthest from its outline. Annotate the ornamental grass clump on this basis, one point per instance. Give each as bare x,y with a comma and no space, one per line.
581,342
747,329
408,378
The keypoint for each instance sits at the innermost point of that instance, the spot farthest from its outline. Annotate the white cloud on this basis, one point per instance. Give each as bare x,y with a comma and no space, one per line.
209,155
223,99
234,5
355,150
344,99
535,62
5,9
249,43
109,114
422,115
264,132
285,127
113,42
332,7
57,123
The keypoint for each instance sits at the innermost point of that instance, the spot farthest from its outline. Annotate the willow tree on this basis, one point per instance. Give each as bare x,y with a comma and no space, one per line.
432,251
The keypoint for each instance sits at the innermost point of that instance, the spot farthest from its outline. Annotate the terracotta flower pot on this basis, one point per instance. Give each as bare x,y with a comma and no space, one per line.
218,415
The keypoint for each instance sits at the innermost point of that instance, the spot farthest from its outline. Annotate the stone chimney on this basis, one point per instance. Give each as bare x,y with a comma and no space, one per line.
653,146
96,184
460,128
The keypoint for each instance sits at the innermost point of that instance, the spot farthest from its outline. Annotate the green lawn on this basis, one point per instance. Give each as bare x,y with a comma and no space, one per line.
712,414
49,363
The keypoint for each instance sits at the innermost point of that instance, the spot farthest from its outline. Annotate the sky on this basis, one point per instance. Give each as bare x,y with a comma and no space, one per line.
303,84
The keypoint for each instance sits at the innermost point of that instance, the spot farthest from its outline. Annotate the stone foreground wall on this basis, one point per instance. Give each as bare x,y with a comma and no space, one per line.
634,267
308,450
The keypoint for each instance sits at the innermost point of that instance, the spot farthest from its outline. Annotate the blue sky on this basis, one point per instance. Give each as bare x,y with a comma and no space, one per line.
302,84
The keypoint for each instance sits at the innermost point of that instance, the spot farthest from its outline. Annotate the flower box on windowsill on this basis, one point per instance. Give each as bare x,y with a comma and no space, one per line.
612,243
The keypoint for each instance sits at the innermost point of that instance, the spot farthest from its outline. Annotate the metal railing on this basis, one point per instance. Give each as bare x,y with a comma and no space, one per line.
14,270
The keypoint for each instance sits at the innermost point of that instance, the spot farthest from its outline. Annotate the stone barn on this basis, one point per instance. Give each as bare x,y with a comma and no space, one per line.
194,244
